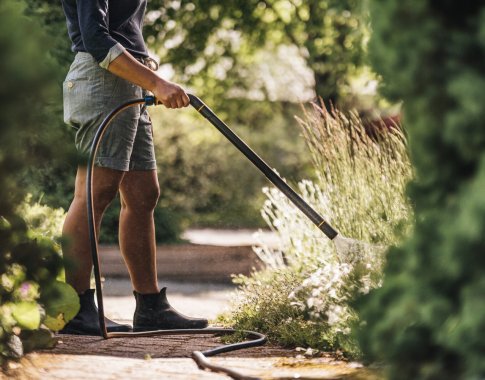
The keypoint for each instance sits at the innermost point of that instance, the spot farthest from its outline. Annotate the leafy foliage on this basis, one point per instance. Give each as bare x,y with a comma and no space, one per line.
304,296
215,41
427,321
52,181
29,261
262,305
42,221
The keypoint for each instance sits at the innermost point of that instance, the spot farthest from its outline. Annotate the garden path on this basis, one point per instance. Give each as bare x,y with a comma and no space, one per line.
77,357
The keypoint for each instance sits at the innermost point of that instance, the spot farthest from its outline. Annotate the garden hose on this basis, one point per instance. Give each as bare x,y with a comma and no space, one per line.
200,358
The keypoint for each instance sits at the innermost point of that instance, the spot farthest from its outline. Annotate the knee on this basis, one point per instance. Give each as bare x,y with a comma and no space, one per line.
102,196
144,200
150,200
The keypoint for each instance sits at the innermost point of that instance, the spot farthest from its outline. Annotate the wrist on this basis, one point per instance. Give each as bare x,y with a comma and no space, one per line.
155,82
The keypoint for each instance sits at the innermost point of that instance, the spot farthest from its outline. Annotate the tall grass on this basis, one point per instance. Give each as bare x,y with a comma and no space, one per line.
303,297
363,172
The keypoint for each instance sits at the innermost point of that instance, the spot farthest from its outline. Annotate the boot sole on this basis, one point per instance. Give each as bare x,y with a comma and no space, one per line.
72,331
154,328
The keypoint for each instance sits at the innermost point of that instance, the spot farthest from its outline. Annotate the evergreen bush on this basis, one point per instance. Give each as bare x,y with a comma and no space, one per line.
428,319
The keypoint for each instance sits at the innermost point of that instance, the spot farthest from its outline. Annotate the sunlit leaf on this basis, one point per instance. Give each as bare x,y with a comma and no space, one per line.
61,304
26,314
55,323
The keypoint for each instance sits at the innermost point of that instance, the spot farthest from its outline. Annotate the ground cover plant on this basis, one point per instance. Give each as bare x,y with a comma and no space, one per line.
428,319
303,297
32,300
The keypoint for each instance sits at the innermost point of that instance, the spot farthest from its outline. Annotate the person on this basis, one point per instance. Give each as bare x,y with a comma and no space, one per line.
112,66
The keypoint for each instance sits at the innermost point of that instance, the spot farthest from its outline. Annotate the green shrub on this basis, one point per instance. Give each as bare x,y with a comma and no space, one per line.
427,321
31,300
263,305
304,296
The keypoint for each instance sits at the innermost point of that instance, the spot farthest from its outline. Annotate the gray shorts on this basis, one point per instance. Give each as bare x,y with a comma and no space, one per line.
90,93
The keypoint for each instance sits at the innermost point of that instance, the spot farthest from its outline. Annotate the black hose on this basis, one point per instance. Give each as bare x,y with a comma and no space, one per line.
93,240
200,358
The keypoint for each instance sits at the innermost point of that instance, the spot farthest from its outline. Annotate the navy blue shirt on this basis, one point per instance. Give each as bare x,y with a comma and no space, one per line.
96,26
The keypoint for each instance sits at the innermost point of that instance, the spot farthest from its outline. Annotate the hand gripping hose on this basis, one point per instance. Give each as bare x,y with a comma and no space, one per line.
200,358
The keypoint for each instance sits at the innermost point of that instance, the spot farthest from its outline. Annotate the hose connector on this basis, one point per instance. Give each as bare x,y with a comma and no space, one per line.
150,100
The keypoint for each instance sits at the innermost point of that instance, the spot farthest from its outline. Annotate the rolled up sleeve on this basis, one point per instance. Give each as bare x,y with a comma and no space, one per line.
113,53
94,26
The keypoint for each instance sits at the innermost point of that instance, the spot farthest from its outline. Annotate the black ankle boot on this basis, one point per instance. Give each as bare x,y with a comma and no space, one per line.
153,312
86,322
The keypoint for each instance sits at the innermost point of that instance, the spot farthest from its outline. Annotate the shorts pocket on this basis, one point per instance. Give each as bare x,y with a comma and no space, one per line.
80,101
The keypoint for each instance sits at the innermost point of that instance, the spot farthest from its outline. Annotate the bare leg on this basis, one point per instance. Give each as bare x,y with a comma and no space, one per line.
139,196
76,249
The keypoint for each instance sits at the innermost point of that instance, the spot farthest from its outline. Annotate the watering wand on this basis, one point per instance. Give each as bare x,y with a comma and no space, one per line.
257,161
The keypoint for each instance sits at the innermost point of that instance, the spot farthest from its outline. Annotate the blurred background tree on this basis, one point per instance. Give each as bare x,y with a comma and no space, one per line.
212,44
428,319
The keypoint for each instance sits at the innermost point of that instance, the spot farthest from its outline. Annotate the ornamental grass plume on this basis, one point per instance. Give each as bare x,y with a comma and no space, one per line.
362,170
